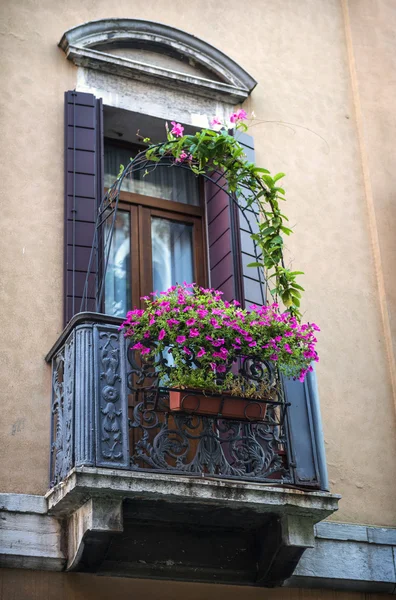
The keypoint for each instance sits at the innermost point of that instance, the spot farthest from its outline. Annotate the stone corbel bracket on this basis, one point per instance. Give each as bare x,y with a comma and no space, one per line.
86,45
91,500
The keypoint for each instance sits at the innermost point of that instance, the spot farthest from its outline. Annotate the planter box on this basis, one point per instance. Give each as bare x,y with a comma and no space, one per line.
222,406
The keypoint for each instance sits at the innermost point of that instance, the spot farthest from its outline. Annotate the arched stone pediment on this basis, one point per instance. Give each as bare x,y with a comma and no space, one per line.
151,52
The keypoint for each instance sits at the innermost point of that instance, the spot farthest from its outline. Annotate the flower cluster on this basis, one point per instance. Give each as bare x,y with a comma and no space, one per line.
191,322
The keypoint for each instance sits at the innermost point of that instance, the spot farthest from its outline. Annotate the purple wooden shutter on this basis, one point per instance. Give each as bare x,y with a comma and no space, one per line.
83,189
224,255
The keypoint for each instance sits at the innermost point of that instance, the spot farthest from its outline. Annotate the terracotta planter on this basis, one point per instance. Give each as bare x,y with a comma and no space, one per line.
223,406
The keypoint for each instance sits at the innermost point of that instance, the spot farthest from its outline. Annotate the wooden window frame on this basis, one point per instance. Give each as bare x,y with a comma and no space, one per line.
141,209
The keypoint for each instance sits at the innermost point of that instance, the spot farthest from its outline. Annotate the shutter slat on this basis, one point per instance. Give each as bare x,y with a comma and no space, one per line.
83,188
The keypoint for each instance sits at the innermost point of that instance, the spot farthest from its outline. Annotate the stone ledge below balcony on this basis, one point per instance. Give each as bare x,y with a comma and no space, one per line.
140,524
84,482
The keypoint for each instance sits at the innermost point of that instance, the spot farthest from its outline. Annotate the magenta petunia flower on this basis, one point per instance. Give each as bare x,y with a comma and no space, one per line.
190,322
161,334
202,352
177,129
194,332
181,339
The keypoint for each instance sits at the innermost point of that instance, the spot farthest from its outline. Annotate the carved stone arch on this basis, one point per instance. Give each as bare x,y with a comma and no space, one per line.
131,48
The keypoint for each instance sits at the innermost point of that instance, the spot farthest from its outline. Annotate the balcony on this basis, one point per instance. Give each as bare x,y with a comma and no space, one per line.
149,492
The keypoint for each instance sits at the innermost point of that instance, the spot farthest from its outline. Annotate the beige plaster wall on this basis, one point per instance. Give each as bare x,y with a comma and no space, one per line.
298,53
36,585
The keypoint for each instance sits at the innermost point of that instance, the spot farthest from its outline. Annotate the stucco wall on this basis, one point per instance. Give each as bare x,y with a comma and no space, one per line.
298,53
36,585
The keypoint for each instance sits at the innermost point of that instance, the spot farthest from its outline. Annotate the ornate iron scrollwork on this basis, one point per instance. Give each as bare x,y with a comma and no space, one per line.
62,411
111,427
202,445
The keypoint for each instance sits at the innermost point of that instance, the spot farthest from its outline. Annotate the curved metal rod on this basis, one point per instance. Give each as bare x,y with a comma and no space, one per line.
109,207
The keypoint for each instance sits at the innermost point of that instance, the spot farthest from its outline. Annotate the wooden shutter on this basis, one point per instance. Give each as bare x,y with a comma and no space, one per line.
83,189
224,256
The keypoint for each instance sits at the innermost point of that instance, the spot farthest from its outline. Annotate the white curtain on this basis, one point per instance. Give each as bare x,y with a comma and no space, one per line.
165,182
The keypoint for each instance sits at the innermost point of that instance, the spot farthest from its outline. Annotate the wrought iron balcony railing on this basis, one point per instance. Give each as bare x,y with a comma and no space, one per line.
108,412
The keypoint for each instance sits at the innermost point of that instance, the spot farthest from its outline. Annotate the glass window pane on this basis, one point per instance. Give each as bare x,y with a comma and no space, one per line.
167,182
172,253
118,274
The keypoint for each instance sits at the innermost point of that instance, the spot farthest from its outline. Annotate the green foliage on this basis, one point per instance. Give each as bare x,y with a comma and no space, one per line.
207,150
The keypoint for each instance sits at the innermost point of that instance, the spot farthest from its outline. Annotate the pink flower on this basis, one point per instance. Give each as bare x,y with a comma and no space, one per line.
177,129
186,350
215,121
144,350
215,324
239,115
180,339
217,343
202,352
137,346
288,349
172,322
194,332
183,155
152,321
274,357
146,334
220,368
190,322
201,312
161,334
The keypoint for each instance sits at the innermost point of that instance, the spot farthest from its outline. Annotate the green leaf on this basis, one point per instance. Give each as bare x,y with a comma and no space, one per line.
255,264
278,176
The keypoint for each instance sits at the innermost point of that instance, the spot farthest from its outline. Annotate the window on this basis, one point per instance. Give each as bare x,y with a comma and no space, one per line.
158,238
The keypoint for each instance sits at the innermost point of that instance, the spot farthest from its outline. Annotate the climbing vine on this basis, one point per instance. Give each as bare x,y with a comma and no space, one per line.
218,148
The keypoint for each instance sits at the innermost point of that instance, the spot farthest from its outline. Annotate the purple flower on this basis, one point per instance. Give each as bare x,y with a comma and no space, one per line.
180,339
144,350
218,343
202,352
239,115
161,334
137,346
288,349
194,332
151,321
177,129
190,322
186,350
172,322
